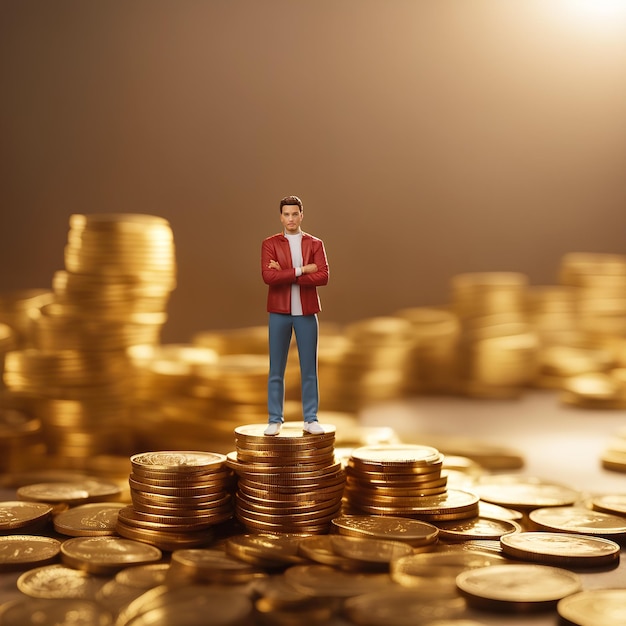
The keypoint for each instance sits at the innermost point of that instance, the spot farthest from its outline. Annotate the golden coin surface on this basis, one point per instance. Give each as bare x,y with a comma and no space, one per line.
44,612
610,503
58,581
476,528
594,607
413,532
403,607
396,454
579,520
179,461
143,576
270,549
323,581
107,554
289,430
213,565
561,548
98,518
191,605
15,515
523,492
522,587
369,551
422,569
19,551
70,492
495,511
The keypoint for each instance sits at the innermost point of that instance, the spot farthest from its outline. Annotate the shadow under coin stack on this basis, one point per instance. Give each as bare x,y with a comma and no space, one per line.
404,480
289,483
177,497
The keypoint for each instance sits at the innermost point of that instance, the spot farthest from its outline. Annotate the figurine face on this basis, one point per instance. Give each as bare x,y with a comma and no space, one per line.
291,218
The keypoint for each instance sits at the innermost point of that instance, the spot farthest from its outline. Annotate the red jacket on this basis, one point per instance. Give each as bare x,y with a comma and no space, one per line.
276,247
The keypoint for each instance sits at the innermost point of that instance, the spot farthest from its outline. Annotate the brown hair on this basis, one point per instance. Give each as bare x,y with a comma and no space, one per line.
289,200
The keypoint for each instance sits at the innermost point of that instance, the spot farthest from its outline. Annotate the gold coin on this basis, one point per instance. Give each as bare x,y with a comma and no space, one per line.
420,569
517,587
104,555
527,492
495,511
289,430
391,455
213,566
369,551
88,519
71,492
58,581
322,581
190,604
18,515
143,576
265,550
404,607
580,521
476,528
593,607
413,532
610,503
561,548
178,461
21,551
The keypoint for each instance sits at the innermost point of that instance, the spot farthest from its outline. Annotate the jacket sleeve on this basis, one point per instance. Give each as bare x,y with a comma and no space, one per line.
319,278
274,277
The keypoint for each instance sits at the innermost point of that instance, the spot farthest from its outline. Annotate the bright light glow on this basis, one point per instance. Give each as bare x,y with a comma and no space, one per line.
597,9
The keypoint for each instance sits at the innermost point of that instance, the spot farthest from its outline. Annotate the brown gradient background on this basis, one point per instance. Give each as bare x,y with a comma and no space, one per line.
425,137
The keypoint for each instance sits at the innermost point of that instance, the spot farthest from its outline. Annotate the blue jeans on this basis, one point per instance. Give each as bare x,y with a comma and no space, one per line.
306,329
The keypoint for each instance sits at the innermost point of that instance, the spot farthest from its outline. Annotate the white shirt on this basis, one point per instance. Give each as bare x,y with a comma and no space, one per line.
295,246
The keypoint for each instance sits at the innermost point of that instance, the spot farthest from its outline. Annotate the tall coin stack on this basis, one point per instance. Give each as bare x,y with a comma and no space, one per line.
404,480
119,272
289,483
176,498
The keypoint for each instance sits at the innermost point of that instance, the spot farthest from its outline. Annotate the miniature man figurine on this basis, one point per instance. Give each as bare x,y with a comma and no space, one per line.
293,264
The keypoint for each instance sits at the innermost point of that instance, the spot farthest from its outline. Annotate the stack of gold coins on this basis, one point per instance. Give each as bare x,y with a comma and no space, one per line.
112,294
172,403
375,364
177,497
404,480
289,483
600,282
433,362
552,311
19,308
21,440
498,350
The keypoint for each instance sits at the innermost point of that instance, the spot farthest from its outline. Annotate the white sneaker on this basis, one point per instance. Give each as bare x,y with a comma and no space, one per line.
272,429
313,428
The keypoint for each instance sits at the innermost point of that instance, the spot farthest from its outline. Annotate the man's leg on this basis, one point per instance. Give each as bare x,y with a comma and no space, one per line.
280,329
307,331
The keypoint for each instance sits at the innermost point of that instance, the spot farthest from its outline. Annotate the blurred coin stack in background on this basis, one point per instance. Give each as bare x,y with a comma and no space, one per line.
599,285
498,348
433,362
112,294
370,364
288,483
